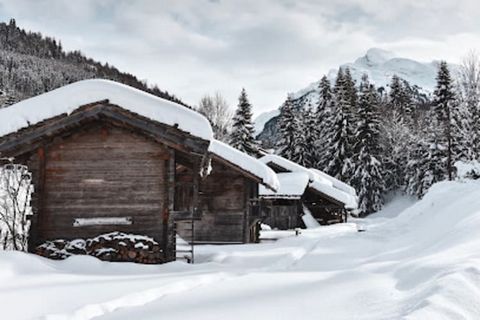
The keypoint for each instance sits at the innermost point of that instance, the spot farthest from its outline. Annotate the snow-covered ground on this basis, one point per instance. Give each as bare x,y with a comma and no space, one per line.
414,261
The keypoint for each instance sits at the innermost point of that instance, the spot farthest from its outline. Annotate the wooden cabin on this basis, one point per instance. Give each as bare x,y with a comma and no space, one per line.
225,197
106,157
303,191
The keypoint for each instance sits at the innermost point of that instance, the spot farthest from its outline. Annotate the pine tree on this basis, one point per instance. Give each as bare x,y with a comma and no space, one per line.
310,131
341,147
416,167
444,103
351,89
286,146
462,140
242,136
400,100
325,123
368,175
301,154
433,165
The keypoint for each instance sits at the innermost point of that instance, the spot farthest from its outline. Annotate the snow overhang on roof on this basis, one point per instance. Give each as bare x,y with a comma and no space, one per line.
245,162
292,186
318,181
68,98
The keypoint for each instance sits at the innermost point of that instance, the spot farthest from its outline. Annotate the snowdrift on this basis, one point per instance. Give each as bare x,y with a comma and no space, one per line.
420,263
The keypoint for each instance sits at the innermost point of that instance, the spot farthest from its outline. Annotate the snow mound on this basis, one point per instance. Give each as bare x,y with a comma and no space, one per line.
68,98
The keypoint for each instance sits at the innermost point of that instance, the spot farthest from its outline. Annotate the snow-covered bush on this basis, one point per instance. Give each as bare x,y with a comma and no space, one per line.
468,169
15,193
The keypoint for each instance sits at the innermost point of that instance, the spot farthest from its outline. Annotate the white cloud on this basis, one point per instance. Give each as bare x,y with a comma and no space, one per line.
270,47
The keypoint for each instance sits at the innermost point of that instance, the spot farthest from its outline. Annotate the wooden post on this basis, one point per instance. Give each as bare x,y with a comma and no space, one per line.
195,204
246,211
39,202
169,236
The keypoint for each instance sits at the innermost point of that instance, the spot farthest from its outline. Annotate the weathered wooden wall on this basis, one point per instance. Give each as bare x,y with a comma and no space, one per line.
223,199
99,172
282,214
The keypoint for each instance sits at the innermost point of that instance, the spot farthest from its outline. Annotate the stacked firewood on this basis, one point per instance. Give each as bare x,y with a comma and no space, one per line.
115,246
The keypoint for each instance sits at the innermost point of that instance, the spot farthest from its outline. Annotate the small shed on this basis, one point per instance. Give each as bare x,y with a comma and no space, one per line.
107,157
303,191
225,211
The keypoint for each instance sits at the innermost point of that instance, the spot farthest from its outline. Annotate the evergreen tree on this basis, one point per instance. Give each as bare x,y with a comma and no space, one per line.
433,165
444,103
325,124
368,174
340,150
400,100
286,146
242,136
310,131
462,133
302,151
416,167
351,90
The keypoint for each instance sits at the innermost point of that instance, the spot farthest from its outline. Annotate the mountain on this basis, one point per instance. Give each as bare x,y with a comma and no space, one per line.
31,64
380,65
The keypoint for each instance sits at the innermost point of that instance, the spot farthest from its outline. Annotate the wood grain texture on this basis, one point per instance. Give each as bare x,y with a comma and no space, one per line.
222,206
103,171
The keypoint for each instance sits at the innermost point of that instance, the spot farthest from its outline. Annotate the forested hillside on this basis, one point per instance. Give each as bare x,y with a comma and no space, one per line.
380,141
31,64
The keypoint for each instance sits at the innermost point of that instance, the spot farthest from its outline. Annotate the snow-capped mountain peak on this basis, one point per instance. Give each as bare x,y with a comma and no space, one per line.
374,57
380,65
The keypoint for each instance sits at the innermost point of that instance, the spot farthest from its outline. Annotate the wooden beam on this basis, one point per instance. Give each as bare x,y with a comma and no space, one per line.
39,189
168,222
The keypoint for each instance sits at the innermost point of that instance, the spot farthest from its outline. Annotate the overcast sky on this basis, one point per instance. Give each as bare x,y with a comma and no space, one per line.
270,47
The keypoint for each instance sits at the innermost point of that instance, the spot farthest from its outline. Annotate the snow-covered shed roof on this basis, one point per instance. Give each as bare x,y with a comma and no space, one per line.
245,162
318,180
290,166
335,182
292,186
70,97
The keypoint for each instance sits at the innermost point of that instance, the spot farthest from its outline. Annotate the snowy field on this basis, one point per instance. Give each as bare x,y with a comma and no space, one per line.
414,261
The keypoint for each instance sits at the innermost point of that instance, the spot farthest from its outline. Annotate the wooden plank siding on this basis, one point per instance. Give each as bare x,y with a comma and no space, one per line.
103,172
223,199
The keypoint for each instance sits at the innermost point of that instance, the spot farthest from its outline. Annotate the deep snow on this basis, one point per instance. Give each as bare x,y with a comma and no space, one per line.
68,98
246,162
414,261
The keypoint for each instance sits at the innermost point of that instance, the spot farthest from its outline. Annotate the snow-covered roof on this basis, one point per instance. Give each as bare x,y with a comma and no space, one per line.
289,165
318,181
292,186
335,182
68,98
246,162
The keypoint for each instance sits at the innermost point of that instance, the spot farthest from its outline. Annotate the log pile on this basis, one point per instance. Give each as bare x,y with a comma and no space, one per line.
114,246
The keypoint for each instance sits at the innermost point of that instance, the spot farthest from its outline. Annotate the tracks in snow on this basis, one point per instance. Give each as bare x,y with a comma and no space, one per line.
139,298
